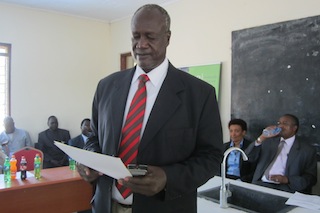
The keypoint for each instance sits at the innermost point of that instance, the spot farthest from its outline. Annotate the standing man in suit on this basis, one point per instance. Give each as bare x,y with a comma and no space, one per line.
81,139
53,156
292,168
237,130
181,136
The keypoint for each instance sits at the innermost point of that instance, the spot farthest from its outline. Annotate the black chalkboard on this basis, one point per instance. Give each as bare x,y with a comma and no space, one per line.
276,70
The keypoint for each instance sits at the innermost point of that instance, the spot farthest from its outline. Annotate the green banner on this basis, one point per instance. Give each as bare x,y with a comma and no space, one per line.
208,73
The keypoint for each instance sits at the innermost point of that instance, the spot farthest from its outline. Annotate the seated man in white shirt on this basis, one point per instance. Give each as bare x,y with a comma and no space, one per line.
12,139
292,168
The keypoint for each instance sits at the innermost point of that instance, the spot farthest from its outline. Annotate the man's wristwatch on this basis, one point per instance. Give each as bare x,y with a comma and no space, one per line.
259,140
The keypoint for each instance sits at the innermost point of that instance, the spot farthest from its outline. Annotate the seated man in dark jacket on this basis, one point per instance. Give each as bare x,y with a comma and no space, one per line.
53,156
237,131
81,139
281,160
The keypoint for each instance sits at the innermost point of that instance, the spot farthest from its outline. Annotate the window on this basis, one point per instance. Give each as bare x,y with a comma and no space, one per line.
5,55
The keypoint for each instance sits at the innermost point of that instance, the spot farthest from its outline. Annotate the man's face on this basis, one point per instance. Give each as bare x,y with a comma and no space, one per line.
288,127
9,126
85,128
53,123
149,39
236,133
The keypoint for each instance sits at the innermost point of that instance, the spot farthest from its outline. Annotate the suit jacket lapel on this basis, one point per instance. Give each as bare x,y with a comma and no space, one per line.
293,153
165,105
118,103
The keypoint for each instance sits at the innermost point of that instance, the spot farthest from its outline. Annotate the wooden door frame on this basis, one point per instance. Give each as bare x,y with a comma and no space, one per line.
123,60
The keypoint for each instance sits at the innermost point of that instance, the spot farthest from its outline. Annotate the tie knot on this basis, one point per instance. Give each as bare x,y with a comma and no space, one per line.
143,78
282,143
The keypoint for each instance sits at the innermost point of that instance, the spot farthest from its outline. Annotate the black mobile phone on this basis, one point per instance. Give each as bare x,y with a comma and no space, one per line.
137,169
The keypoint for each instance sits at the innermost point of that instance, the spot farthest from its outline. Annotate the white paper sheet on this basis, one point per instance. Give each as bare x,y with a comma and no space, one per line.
305,201
108,165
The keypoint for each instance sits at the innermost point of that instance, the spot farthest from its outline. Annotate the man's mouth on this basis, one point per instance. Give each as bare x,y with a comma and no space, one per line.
142,56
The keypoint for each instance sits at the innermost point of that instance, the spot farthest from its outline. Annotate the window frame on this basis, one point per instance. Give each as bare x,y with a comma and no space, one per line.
8,76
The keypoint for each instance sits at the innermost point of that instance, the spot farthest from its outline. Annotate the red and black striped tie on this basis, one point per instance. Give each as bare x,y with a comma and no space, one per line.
131,131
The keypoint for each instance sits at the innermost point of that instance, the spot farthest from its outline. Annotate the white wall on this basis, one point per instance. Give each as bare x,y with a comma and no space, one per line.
201,33
58,59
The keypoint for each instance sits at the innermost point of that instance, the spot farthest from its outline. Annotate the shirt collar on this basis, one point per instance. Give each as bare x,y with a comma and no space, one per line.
84,138
154,75
232,144
289,141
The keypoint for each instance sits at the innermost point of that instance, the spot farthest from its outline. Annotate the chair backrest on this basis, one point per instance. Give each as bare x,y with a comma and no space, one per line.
29,153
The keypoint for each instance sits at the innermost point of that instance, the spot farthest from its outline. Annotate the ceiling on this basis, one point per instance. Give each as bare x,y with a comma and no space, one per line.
104,10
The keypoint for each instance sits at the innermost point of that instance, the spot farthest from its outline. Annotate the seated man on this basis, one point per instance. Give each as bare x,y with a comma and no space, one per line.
12,138
53,156
237,130
86,131
281,160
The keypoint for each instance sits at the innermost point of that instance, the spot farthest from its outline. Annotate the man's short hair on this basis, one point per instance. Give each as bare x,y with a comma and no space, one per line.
161,10
239,122
84,120
52,116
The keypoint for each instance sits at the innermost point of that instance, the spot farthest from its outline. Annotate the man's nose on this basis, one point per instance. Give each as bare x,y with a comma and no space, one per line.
142,43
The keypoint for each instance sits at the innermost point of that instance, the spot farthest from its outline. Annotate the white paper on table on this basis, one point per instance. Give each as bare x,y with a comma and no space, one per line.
305,201
108,165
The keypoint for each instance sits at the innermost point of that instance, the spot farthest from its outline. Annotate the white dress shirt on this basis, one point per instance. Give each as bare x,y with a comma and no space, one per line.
279,165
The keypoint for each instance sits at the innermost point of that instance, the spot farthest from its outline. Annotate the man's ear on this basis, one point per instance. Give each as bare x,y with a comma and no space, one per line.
169,36
244,132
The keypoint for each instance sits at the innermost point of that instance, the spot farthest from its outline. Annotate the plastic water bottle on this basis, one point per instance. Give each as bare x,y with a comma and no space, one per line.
37,166
6,170
271,132
72,164
23,168
13,167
